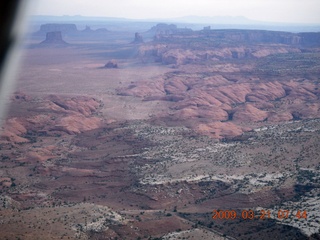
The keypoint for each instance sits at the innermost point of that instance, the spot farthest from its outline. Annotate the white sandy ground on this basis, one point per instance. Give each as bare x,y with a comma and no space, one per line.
258,180
99,218
309,204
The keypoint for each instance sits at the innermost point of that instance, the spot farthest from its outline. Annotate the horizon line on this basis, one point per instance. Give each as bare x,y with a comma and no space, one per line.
253,21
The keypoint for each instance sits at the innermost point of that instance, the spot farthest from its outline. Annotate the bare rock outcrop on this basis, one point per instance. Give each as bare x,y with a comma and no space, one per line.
76,123
12,131
220,129
280,116
52,114
213,113
268,91
144,89
81,104
178,57
249,113
214,101
78,114
302,110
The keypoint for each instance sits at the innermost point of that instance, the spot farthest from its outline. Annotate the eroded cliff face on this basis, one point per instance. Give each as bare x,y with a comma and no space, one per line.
178,55
216,45
233,36
256,36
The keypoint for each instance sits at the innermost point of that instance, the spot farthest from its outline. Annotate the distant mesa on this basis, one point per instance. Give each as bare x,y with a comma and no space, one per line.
215,45
310,38
88,30
70,30
171,33
166,29
54,39
137,38
111,64
55,27
101,30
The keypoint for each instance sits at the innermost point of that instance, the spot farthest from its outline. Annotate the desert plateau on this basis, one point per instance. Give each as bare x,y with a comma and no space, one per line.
146,134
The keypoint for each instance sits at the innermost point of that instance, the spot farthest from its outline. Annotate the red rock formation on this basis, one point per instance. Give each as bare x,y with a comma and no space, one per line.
178,57
220,129
302,110
76,123
249,113
12,130
144,89
53,113
81,104
266,92
211,113
279,117
195,100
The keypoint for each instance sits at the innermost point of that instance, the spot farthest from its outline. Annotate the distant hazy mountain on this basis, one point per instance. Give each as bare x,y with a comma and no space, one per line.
194,22
186,19
217,20
76,18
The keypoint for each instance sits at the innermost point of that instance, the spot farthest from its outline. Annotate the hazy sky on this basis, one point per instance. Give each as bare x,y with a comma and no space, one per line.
296,11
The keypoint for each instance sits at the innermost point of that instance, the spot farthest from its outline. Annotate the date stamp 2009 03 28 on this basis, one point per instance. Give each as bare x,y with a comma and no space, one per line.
260,214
